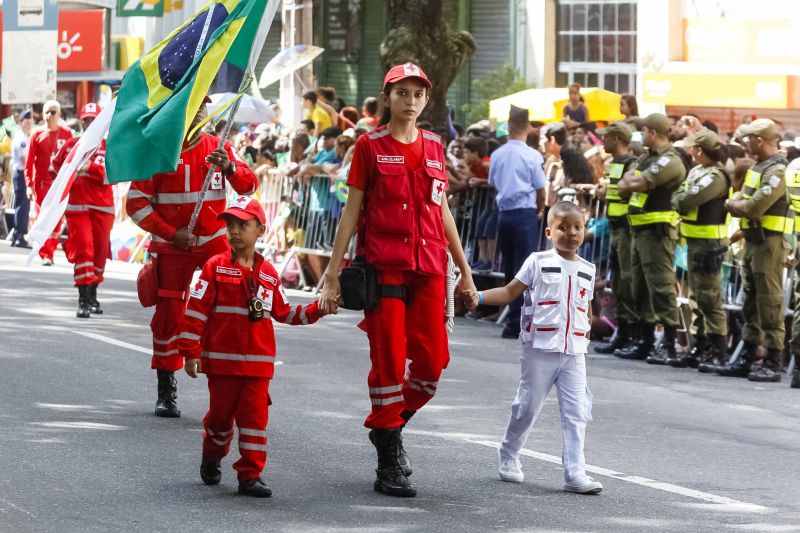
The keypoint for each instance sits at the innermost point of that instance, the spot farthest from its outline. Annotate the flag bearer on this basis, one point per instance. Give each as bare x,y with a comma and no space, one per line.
163,206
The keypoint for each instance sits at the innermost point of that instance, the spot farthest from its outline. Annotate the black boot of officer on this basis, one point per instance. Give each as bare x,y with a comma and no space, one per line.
391,480
94,305
666,351
620,340
715,355
83,302
693,357
642,348
741,367
796,374
770,371
405,462
166,405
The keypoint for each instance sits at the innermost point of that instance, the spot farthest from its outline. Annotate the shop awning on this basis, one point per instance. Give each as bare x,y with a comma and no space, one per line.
547,105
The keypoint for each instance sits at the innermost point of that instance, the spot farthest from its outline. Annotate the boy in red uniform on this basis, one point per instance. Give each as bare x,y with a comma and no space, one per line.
226,334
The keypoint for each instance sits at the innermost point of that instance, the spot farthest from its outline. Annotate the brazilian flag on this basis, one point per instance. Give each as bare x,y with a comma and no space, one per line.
161,93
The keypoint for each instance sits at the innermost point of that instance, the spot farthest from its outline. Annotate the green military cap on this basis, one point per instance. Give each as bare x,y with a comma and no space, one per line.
657,122
617,129
705,139
762,127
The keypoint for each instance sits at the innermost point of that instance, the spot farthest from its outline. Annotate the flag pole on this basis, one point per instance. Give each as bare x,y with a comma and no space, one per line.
224,135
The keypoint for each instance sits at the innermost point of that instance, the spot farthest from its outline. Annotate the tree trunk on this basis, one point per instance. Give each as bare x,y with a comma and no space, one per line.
419,33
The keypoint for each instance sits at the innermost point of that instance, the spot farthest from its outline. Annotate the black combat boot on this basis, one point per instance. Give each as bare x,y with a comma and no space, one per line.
741,367
94,305
210,471
83,302
620,340
391,480
692,357
666,351
642,348
166,405
715,355
770,371
255,488
405,462
796,374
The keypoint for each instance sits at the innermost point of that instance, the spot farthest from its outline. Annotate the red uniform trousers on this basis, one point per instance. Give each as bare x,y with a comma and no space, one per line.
398,330
174,272
245,400
49,247
89,244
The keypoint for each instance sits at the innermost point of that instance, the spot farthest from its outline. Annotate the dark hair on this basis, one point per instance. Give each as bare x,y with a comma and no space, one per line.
735,151
309,124
477,145
576,168
557,134
536,124
792,153
338,104
717,155
350,113
710,125
518,123
685,157
302,139
328,93
632,104
311,96
371,105
562,208
533,140
386,114
459,129
494,144
588,126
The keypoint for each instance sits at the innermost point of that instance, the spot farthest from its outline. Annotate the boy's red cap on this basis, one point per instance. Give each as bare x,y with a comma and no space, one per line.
245,208
90,110
406,70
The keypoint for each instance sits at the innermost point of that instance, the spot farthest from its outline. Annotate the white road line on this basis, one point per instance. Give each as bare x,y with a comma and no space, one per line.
121,344
728,503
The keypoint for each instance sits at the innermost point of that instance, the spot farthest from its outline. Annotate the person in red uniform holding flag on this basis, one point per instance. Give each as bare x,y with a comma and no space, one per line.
397,203
39,170
227,334
90,216
163,206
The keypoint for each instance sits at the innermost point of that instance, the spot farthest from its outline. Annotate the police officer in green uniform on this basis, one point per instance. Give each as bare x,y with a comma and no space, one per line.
654,227
793,183
701,204
616,138
766,219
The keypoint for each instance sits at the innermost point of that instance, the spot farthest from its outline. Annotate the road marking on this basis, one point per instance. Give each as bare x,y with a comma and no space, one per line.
79,425
721,502
643,481
122,344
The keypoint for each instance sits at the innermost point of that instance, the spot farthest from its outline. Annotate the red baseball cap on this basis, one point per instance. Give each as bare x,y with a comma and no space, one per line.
90,110
406,70
245,208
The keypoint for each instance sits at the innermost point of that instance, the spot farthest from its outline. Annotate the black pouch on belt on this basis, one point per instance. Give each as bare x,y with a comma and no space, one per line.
359,286
754,234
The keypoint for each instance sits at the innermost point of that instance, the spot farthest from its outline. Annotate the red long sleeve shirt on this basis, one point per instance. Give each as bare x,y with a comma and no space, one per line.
90,190
42,150
216,326
165,203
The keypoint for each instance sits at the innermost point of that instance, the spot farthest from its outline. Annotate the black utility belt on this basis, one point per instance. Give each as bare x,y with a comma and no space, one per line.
360,289
618,222
659,228
757,234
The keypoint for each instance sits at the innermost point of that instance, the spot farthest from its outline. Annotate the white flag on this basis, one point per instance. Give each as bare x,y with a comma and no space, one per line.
55,203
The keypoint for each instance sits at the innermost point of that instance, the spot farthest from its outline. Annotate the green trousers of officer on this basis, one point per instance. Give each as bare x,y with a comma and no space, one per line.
622,275
654,277
763,292
706,291
794,344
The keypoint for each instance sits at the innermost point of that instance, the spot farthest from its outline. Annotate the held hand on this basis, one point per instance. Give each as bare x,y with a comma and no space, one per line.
183,239
329,295
192,367
219,157
470,299
29,192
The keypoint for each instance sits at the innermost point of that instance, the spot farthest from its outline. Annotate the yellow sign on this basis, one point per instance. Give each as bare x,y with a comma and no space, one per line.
547,105
721,90
772,41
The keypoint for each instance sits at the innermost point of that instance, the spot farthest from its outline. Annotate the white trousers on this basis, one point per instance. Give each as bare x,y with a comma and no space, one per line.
538,373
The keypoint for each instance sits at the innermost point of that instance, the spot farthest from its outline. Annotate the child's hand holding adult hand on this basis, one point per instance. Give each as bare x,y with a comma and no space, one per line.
192,367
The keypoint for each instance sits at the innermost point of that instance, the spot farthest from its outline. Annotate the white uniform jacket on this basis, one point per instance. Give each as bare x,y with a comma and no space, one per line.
555,313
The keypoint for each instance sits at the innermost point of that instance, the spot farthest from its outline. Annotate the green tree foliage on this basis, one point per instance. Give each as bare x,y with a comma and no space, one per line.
496,83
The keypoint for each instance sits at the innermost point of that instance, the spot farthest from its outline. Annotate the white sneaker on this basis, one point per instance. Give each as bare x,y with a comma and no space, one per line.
586,485
510,470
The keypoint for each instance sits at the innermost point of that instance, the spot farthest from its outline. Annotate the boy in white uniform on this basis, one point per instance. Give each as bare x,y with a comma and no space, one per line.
555,325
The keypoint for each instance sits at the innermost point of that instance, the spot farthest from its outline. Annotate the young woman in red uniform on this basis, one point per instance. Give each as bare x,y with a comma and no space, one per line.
397,202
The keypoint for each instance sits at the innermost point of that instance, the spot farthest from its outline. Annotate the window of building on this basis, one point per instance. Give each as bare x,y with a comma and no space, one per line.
597,44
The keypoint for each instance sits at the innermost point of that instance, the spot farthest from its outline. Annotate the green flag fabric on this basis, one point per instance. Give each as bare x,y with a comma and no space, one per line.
161,93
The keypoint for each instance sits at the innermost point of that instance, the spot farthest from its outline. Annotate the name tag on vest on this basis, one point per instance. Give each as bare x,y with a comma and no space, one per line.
229,271
393,159
434,164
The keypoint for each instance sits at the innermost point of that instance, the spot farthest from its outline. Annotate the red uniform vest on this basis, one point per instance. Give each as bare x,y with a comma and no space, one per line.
90,190
39,171
401,225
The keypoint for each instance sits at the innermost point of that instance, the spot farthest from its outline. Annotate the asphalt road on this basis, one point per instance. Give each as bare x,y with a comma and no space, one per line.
80,449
